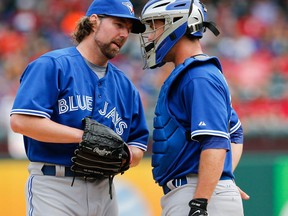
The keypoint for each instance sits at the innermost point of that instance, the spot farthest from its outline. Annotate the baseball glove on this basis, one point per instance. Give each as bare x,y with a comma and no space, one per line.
101,154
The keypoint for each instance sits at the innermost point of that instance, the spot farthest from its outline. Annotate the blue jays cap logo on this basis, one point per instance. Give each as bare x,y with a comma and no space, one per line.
129,6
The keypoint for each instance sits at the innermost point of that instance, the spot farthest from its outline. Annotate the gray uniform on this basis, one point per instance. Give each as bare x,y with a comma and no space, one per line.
46,191
172,203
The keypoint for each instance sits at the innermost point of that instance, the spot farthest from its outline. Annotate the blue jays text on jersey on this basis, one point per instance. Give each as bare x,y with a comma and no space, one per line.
60,86
74,104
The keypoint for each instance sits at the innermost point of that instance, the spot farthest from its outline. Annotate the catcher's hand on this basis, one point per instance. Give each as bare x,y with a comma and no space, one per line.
101,153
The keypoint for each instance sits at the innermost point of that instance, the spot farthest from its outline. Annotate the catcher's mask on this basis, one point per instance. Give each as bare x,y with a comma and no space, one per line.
179,17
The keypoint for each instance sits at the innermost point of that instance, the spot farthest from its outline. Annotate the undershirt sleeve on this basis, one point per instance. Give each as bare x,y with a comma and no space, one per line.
214,142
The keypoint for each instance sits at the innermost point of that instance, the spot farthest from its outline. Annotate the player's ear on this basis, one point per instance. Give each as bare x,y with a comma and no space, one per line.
95,20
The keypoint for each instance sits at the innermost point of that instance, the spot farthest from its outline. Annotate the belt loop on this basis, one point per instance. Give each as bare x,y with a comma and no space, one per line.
35,168
59,170
170,184
178,182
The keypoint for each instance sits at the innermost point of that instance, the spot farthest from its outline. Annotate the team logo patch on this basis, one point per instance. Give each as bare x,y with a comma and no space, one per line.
129,6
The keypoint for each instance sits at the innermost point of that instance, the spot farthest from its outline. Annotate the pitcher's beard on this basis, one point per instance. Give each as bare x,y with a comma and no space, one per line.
109,50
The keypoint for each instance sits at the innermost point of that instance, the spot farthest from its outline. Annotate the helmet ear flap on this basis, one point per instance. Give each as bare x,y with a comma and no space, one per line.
195,18
191,8
188,18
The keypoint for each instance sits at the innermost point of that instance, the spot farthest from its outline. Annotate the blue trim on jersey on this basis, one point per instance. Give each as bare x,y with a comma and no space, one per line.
235,127
60,86
138,145
237,136
236,130
30,112
209,132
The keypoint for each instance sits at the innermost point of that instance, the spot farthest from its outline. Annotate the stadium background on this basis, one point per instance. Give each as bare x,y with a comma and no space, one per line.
253,47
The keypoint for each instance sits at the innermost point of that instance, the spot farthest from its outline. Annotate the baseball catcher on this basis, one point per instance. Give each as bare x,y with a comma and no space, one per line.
101,154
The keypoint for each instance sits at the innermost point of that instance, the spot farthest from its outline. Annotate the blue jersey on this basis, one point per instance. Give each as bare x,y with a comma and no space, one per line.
60,86
236,130
195,98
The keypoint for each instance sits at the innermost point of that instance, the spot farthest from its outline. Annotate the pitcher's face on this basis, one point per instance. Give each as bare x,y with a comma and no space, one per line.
111,34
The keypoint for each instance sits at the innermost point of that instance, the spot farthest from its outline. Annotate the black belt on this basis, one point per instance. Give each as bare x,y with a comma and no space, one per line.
176,183
183,181
51,171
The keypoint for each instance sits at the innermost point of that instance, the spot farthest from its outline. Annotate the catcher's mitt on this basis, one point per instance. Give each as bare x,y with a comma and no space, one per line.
101,153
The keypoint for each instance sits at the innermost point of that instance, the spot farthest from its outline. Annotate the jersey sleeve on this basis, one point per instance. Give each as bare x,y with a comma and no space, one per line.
208,107
236,130
139,132
38,90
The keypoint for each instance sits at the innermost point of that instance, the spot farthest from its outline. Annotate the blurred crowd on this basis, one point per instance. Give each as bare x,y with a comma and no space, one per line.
252,46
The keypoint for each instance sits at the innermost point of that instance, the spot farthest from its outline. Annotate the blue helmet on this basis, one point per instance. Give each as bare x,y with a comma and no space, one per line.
116,8
180,17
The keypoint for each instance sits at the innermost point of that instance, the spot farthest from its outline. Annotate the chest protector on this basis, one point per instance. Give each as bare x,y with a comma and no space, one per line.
169,136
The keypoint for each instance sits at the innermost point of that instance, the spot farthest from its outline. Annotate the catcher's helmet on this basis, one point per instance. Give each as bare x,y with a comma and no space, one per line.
116,8
180,17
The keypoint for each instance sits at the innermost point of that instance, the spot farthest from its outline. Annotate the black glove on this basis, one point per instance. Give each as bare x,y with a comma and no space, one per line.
101,154
198,207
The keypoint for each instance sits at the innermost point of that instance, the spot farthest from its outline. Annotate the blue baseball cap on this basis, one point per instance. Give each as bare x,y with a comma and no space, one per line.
117,8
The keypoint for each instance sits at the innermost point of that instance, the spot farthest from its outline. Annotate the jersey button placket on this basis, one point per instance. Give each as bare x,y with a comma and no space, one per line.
100,95
99,88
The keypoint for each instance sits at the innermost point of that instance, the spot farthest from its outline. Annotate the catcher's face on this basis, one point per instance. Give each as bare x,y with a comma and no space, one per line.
155,30
150,40
111,34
